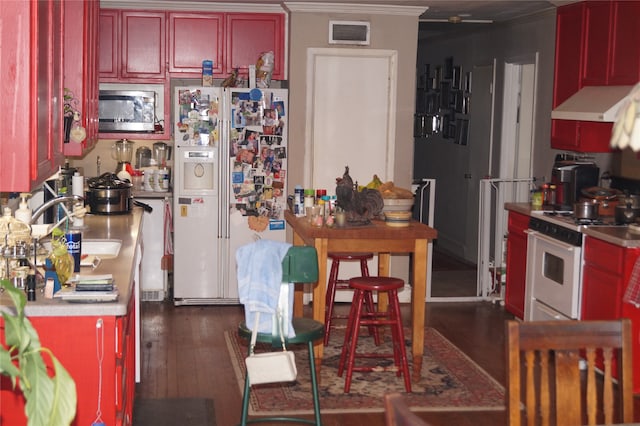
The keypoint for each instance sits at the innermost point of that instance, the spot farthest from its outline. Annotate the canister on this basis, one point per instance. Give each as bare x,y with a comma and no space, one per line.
74,246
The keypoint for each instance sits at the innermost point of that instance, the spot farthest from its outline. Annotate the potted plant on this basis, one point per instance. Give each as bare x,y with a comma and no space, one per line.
70,108
49,400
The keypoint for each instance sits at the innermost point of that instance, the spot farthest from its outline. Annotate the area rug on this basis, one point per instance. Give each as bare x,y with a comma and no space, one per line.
450,380
173,412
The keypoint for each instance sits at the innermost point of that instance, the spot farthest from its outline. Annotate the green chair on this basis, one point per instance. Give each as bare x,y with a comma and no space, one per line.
300,265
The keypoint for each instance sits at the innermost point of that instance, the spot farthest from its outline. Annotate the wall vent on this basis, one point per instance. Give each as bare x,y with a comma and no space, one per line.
349,32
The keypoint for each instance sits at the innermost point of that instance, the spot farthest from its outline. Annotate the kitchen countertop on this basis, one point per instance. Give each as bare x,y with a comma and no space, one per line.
618,235
125,227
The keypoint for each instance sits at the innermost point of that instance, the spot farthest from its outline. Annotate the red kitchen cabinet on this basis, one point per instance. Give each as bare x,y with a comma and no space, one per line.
194,37
31,140
606,273
81,69
516,263
597,16
109,41
624,58
134,46
612,52
76,342
596,44
603,279
248,36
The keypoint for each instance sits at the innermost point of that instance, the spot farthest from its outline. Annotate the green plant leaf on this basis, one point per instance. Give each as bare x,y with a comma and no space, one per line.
7,367
63,409
50,401
37,388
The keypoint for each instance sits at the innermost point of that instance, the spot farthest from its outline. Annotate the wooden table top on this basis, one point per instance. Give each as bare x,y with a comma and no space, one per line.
376,230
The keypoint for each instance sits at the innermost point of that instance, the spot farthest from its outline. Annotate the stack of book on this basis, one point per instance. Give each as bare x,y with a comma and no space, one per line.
89,288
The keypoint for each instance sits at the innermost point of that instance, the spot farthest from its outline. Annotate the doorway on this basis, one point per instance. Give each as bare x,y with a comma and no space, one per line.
351,115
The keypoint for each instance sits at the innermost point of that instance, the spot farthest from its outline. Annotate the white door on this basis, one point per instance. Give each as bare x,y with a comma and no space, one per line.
351,113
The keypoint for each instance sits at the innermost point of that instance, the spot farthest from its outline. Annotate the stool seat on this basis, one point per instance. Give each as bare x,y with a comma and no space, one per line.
307,331
349,256
334,283
376,283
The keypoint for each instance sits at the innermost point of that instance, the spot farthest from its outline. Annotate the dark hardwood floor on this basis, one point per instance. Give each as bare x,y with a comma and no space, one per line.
184,355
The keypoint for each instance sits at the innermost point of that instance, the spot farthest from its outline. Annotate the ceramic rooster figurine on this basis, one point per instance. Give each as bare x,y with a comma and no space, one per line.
360,206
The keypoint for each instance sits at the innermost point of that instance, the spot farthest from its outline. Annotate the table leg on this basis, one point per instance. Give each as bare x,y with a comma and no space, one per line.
418,306
298,294
319,290
384,269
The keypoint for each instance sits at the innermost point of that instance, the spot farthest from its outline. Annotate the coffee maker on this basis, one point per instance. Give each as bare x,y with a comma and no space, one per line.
570,177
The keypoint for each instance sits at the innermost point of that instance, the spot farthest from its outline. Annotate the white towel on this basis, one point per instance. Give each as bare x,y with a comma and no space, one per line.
260,284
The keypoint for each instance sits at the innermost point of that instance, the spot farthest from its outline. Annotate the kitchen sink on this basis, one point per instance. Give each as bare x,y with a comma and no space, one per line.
103,248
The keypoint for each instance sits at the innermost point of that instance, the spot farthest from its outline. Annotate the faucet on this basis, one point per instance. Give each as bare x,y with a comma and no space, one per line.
37,212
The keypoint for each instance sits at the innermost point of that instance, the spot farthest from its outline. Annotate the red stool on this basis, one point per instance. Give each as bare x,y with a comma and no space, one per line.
357,318
334,283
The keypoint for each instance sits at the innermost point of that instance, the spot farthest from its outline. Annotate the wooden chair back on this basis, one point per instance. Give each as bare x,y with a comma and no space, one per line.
544,360
397,412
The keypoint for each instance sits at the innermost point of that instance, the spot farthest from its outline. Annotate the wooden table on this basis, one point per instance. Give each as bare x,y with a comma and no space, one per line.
377,238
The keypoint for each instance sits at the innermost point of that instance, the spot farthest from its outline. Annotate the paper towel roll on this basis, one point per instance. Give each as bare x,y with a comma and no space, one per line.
77,184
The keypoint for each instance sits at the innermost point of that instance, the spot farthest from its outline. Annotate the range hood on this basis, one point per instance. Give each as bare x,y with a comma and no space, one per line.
593,103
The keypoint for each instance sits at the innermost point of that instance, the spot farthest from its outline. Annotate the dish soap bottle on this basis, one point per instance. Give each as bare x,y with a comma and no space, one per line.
23,213
60,258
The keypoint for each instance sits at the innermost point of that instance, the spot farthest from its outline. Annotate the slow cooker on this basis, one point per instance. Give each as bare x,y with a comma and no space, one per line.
107,194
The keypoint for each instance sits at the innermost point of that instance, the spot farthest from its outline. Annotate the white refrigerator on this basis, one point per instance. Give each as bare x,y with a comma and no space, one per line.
229,184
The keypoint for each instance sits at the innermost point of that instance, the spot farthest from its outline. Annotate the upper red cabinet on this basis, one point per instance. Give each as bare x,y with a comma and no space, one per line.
31,141
194,37
596,44
132,46
81,69
250,35
624,58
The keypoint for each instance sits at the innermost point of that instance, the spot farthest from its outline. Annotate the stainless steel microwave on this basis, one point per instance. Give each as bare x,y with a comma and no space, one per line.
126,111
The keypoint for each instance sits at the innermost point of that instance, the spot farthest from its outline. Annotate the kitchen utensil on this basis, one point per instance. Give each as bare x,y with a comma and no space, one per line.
625,199
108,195
626,213
586,209
161,153
122,152
143,157
608,198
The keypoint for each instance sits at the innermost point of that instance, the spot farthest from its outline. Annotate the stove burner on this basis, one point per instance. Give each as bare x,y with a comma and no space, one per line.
563,213
586,221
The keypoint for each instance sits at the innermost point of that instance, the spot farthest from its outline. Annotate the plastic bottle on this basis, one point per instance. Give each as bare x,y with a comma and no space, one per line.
61,259
23,213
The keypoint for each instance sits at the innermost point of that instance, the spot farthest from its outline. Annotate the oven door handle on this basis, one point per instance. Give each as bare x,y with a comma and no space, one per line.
550,240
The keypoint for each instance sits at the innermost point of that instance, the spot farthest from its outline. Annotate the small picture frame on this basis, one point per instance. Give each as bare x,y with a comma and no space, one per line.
448,68
466,104
456,80
445,88
437,77
462,131
467,82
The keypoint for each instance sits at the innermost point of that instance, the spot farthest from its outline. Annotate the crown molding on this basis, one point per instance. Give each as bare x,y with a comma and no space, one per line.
375,9
199,6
